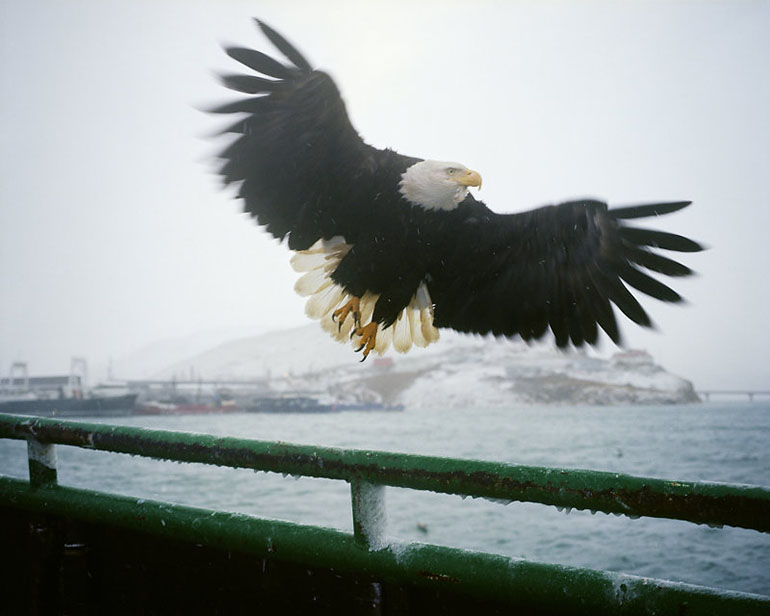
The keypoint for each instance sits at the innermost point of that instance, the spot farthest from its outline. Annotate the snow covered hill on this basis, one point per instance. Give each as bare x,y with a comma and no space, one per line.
458,371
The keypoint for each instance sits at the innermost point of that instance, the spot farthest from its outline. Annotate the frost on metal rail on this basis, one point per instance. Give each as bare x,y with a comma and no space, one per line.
507,581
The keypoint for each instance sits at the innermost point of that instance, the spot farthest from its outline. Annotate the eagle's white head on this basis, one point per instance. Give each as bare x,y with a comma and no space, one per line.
437,185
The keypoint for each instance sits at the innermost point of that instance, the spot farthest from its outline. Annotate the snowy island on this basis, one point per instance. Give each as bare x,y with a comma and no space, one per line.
460,371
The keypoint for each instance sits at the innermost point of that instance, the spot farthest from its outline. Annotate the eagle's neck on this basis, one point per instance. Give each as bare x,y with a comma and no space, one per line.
425,184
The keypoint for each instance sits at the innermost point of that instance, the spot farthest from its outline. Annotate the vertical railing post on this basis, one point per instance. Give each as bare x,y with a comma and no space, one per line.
42,463
45,533
369,516
369,522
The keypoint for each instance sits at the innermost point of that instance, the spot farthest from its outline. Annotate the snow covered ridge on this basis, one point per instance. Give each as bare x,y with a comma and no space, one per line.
461,372
546,377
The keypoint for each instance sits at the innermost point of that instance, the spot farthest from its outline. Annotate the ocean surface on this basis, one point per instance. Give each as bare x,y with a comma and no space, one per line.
722,442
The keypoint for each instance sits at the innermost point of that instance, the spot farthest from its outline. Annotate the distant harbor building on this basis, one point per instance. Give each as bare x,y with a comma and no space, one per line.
72,385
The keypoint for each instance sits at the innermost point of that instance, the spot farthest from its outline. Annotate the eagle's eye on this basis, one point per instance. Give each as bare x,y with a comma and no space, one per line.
450,171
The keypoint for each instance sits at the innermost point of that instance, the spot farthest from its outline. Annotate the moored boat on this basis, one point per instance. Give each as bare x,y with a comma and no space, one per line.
182,406
288,404
96,406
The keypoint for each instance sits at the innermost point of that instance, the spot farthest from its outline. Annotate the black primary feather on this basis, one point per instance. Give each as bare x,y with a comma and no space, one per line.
286,48
653,209
248,84
260,62
657,263
659,239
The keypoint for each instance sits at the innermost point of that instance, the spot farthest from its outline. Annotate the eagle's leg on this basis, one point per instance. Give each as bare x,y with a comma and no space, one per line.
352,305
368,334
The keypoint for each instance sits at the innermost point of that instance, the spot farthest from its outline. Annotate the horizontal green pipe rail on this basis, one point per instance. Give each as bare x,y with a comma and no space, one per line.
702,503
529,585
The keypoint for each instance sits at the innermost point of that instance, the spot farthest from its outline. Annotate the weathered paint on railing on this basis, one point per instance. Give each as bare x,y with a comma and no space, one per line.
702,503
544,588
42,463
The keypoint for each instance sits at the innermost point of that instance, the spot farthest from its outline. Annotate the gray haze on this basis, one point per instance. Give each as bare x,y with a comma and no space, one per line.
114,232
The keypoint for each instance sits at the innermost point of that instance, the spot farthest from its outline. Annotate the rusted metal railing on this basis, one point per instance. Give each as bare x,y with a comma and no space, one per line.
368,472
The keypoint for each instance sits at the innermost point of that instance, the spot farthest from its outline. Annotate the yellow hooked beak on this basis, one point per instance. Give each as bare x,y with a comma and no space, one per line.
469,178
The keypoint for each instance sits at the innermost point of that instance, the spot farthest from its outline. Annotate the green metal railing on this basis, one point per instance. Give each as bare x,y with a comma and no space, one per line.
556,587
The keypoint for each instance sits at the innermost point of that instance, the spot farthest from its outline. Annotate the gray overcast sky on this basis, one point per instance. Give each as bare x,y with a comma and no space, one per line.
114,232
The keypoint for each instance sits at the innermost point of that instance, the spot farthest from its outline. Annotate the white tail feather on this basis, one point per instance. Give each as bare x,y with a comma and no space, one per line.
402,333
414,325
341,333
384,338
320,254
312,282
324,302
366,305
429,332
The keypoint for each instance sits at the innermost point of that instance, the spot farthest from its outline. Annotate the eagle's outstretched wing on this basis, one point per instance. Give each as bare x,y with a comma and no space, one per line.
304,169
558,267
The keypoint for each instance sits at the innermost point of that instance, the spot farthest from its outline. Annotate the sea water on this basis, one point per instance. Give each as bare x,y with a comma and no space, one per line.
722,442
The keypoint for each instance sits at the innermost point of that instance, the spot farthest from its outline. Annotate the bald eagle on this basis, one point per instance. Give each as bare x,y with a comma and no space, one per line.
392,248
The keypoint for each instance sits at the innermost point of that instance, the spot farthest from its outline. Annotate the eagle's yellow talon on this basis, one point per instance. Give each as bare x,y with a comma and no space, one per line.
339,315
368,335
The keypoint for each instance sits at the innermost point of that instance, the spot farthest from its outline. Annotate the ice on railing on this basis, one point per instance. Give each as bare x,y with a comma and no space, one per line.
369,514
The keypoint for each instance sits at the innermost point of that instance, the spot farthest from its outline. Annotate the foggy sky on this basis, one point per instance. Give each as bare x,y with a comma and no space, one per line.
114,232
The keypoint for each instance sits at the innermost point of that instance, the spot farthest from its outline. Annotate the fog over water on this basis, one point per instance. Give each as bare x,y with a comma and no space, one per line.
114,232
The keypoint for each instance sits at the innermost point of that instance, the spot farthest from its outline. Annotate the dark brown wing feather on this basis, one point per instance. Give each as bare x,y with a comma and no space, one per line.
303,169
559,267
